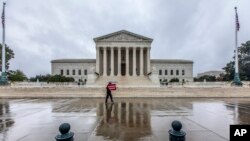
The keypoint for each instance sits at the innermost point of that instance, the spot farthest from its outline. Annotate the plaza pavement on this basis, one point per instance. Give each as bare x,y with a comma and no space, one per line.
136,119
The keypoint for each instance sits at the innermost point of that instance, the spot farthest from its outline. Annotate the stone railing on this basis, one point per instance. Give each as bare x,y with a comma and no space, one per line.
45,84
75,84
203,84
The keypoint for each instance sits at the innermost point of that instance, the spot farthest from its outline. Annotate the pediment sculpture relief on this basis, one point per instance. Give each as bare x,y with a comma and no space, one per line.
123,37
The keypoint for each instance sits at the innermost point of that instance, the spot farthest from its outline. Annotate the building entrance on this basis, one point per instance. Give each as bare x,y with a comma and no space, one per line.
123,69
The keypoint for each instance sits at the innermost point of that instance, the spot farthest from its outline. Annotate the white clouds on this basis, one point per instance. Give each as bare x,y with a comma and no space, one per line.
199,30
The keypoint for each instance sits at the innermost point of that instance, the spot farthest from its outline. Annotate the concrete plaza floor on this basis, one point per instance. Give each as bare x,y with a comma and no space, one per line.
149,119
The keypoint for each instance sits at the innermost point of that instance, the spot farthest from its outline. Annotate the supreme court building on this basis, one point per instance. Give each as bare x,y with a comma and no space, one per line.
123,57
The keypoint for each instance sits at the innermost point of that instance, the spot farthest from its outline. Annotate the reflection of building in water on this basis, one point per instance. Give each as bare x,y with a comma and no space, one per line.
124,118
5,121
240,112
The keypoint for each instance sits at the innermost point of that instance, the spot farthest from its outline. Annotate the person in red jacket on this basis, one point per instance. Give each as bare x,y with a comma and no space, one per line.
109,94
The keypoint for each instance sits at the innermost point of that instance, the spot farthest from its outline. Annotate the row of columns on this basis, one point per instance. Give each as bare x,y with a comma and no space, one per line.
119,61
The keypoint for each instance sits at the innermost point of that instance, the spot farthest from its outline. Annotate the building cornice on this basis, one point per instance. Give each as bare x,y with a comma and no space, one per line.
74,61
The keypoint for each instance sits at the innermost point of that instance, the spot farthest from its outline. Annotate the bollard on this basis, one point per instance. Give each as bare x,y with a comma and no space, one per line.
176,134
66,135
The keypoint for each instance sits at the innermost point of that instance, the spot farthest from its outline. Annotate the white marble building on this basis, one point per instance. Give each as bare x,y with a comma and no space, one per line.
215,73
121,55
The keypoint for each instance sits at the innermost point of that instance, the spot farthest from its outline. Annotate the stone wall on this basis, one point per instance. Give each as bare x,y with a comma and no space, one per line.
83,67
92,92
187,67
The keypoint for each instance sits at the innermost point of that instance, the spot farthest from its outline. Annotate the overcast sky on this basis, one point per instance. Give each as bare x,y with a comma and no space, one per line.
200,30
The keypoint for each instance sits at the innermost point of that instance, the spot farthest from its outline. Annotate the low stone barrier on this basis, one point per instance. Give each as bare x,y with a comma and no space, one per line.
90,92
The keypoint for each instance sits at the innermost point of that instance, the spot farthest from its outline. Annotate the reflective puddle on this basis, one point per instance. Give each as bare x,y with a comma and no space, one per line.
125,120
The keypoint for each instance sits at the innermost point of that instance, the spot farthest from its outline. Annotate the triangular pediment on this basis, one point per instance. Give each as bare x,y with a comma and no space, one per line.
122,36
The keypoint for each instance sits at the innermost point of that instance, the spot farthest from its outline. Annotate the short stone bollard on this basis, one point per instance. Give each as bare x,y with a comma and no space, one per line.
65,135
176,134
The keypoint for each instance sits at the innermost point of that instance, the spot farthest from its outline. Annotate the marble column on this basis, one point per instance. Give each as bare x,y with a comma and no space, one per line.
148,114
134,114
127,113
98,109
119,61
112,62
112,110
141,115
141,61
97,60
104,113
134,61
119,112
104,61
127,61
148,60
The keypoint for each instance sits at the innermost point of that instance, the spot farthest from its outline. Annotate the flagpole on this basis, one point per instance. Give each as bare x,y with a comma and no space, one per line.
3,79
236,80
3,44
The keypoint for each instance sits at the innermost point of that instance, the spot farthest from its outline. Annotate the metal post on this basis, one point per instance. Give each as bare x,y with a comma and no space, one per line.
236,80
176,134
65,135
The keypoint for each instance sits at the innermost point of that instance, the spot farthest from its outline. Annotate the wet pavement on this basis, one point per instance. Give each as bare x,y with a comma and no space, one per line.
126,120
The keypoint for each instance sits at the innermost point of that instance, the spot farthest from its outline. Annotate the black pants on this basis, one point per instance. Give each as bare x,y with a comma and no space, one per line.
107,96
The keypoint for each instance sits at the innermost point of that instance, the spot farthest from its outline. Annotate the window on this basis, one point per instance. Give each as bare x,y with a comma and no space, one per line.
79,72
177,72
160,72
172,72
183,72
61,72
67,72
85,72
166,72
73,72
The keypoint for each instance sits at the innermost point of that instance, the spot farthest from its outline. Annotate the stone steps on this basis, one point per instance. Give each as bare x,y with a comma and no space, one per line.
123,81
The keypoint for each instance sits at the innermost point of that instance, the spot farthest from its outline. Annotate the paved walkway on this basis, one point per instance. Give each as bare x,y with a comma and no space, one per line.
126,120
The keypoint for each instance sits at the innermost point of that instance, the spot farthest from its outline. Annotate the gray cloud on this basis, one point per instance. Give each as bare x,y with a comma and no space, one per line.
198,30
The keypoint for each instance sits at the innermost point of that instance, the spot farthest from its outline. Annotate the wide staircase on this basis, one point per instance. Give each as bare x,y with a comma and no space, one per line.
125,81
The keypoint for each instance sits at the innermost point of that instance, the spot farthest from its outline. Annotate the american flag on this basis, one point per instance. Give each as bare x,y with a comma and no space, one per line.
237,20
3,15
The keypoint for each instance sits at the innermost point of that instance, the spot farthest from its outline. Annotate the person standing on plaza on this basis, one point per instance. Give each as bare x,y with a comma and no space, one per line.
109,94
